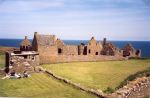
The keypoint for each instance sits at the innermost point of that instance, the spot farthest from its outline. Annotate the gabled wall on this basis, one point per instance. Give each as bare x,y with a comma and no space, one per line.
93,47
52,50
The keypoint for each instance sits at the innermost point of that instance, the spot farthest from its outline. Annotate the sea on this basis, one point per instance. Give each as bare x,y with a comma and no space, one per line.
143,45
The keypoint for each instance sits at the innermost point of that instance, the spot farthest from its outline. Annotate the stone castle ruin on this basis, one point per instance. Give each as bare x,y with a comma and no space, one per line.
22,60
53,50
49,49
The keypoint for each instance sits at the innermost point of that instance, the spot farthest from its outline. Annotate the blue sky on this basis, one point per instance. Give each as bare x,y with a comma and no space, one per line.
76,19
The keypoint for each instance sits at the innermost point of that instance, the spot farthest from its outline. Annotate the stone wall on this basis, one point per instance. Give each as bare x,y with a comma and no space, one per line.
82,49
139,88
52,50
69,53
95,92
130,51
2,72
94,47
19,64
77,58
20,61
70,50
47,53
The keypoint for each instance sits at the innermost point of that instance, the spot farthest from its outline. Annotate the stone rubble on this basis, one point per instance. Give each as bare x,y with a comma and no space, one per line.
139,88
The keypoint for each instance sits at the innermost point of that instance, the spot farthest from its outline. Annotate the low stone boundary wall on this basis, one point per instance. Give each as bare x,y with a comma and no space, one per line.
98,93
139,88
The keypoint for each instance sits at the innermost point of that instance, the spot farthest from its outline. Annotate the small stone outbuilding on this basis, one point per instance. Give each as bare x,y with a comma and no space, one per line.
23,60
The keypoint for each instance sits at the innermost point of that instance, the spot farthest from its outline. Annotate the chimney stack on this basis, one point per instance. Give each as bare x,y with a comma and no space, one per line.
104,41
26,37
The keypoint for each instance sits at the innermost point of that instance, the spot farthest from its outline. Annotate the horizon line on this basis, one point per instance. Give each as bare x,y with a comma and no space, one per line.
81,39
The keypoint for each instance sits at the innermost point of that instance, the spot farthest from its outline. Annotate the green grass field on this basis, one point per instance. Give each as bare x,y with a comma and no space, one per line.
39,85
99,75
2,60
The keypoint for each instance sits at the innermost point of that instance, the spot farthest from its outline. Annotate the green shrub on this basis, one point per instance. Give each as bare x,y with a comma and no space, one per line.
109,90
134,76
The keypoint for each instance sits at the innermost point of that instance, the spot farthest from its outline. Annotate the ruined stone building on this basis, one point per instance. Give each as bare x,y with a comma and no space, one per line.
49,49
130,51
22,60
53,50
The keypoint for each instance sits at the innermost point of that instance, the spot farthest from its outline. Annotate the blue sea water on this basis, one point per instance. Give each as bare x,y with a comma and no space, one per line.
143,45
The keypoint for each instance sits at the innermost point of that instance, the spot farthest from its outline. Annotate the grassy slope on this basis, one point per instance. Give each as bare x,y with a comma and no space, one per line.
2,60
93,74
2,52
99,75
39,85
3,49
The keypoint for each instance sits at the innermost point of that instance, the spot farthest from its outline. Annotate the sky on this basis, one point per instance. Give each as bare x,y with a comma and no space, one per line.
76,19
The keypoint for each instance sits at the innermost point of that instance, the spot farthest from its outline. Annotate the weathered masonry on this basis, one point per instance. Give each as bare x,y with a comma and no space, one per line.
49,49
23,60
53,50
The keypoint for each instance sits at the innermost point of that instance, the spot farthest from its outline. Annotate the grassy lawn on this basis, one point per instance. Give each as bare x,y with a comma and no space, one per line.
99,75
2,60
39,85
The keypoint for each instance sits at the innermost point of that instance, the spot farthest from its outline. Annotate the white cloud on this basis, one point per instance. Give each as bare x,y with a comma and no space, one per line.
15,6
115,19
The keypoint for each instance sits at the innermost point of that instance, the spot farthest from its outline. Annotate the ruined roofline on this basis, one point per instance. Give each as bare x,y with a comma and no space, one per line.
25,42
36,33
45,35
52,41
128,46
44,39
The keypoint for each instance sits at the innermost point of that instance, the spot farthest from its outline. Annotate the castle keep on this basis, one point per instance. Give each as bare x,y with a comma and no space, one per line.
49,49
